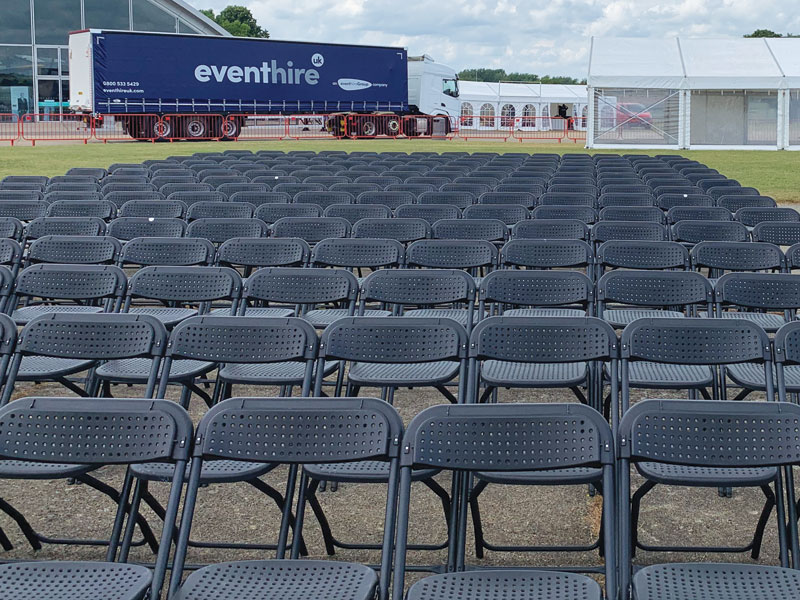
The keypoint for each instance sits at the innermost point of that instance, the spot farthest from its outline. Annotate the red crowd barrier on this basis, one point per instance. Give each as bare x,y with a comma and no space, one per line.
540,128
124,127
315,127
9,127
55,127
485,127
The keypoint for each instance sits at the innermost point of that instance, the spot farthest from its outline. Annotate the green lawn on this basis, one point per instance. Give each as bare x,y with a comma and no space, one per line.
776,174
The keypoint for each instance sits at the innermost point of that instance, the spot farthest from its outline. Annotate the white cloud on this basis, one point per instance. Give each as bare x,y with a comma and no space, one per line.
517,35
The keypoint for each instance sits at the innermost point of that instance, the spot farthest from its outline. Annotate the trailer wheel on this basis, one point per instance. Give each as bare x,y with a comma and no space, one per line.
369,129
393,127
230,129
196,128
162,129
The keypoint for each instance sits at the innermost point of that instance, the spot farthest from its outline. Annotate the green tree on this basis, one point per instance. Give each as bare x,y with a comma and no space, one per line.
238,21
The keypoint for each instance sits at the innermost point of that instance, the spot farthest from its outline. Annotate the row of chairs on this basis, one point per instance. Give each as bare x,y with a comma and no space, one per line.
532,444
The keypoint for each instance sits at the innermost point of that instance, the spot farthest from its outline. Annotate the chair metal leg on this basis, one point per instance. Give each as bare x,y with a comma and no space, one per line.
28,531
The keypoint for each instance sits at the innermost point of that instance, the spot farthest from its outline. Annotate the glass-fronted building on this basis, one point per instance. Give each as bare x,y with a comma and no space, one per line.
34,61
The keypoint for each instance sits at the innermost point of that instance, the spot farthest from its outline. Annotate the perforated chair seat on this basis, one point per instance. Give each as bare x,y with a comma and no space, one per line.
459,315
360,471
403,374
715,581
136,370
64,580
523,374
572,476
670,474
22,316
282,373
751,376
506,585
544,312
769,322
652,375
625,316
33,367
325,316
167,315
25,469
257,311
213,471
280,580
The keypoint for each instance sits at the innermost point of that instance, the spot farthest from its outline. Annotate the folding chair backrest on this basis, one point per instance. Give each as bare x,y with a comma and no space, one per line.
418,287
259,198
358,253
390,198
309,286
633,213
429,212
154,251
65,249
10,252
71,282
666,201
128,228
587,214
470,229
43,226
355,212
102,209
737,256
706,231
653,288
696,213
642,254
568,198
764,291
735,202
220,210
525,199
171,209
6,289
452,254
546,254
402,230
10,228
311,229
551,229
779,233
531,288
752,216
629,230
263,252
192,284
459,199
220,230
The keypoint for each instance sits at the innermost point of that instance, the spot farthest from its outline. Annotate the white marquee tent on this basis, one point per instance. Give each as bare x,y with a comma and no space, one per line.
694,93
521,106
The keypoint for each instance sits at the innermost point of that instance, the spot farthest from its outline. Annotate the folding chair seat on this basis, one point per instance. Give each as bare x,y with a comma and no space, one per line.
400,229
460,200
300,292
155,251
752,216
533,293
684,448
651,295
283,577
719,257
83,226
606,200
171,209
253,253
734,202
752,295
641,254
437,293
551,229
778,233
69,426
492,230
220,230
128,228
311,229
585,214
64,249
547,254
456,429
87,288
220,210
568,198
182,292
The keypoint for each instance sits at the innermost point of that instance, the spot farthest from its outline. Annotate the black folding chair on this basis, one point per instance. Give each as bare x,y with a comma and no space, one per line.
428,212
65,249
220,210
698,213
778,233
163,432
167,251
721,257
551,229
497,440
642,255
128,228
84,226
356,254
768,299
317,426
680,437
587,214
492,230
694,232
752,216
633,213
219,231
169,209
248,254
311,229
477,257
547,254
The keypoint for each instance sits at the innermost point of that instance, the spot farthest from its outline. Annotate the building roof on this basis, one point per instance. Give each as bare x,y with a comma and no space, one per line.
198,19
695,63
481,91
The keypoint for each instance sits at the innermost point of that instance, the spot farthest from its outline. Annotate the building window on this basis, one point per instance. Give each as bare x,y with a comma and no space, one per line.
466,114
15,22
184,27
149,17
106,14
54,19
529,115
16,79
507,114
487,115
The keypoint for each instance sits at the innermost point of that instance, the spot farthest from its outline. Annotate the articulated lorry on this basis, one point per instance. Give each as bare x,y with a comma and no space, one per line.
200,87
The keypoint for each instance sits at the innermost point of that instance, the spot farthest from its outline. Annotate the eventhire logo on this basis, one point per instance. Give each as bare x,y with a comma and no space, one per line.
268,72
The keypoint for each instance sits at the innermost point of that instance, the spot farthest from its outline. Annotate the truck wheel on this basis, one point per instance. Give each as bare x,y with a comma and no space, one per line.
196,128
368,129
393,127
162,130
230,129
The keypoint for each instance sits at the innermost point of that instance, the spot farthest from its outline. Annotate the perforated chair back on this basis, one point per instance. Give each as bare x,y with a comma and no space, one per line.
697,213
694,232
302,287
71,282
65,249
736,256
492,230
128,228
633,213
654,289
546,254
357,253
551,229
642,254
154,251
10,254
43,226
355,212
185,285
418,287
102,209
311,229
778,233
263,252
221,230
735,202
516,288
452,254
752,216
402,230
11,228
668,201
220,210
6,289
629,230
760,291
170,209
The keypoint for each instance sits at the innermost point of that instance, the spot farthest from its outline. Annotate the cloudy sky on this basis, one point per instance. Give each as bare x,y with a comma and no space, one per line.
546,38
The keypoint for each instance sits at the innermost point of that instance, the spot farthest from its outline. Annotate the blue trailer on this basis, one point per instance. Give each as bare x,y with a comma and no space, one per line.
128,73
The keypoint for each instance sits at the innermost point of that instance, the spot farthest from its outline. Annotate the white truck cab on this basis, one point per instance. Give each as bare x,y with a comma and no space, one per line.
432,87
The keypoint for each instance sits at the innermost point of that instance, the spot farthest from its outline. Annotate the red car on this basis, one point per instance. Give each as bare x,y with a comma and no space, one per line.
633,114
